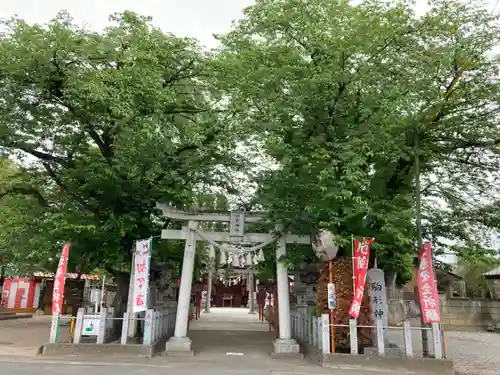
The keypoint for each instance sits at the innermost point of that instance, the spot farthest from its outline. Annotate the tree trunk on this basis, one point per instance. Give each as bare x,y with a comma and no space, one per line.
120,302
342,276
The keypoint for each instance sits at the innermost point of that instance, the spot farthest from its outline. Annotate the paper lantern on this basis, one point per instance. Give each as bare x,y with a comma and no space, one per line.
325,245
261,256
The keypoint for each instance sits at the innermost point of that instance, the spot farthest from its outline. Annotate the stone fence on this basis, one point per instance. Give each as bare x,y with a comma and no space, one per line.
93,332
469,313
456,313
394,346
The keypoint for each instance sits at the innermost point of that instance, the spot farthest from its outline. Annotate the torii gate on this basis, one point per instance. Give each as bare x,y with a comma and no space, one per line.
236,219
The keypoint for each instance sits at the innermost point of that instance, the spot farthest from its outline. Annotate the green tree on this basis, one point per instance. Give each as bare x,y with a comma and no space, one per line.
343,94
112,122
22,241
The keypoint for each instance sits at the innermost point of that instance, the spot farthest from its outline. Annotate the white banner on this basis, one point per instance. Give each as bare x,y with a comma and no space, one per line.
141,275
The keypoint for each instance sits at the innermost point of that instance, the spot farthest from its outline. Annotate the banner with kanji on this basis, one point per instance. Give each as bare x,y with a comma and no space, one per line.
427,288
59,281
141,275
361,255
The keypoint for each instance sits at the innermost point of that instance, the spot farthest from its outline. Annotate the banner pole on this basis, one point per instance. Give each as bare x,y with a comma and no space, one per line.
353,266
332,315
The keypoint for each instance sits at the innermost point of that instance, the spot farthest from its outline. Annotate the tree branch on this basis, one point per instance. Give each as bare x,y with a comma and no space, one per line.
26,190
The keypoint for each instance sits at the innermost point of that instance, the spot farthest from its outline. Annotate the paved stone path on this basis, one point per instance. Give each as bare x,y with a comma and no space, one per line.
231,332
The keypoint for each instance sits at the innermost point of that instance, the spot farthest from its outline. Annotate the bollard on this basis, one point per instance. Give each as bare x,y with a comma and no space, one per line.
101,335
407,338
353,332
125,321
148,327
79,325
436,338
325,325
380,337
54,328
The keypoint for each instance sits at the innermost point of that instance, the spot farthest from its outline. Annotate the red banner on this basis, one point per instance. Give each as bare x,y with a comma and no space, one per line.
427,289
59,279
361,258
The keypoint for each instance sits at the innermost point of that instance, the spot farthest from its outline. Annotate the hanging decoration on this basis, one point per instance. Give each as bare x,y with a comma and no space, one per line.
223,258
236,261
211,252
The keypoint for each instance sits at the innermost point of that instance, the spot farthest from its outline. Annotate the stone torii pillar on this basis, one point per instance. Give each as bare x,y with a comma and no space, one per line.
251,285
179,341
285,344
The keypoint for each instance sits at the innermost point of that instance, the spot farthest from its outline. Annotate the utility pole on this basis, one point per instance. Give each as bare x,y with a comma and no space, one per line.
418,220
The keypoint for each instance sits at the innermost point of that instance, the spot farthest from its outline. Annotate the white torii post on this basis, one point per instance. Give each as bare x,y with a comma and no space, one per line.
179,341
285,344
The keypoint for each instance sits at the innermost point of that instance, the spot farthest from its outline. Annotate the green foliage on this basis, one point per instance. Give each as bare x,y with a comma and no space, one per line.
109,123
340,94
22,242
472,273
341,97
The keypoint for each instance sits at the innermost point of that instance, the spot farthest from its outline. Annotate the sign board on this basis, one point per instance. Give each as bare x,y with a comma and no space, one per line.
90,326
378,295
332,298
427,288
141,275
59,281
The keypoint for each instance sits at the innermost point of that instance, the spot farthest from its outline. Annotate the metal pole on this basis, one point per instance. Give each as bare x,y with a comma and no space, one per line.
418,220
353,266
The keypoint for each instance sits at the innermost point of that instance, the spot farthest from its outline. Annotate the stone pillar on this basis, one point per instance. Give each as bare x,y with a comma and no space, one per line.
132,325
251,291
285,344
179,341
209,290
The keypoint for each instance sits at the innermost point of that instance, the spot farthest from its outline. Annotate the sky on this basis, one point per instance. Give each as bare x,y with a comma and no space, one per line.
193,18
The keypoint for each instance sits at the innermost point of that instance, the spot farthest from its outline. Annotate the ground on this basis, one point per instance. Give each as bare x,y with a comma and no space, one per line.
219,344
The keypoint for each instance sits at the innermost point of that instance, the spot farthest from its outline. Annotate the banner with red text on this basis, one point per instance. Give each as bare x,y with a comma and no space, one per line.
140,273
427,288
361,256
59,281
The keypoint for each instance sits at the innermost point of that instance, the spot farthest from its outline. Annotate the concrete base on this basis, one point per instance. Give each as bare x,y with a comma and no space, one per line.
388,364
107,350
252,312
178,345
286,348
